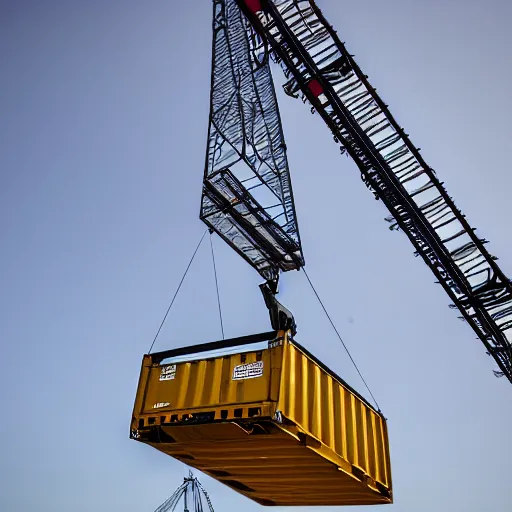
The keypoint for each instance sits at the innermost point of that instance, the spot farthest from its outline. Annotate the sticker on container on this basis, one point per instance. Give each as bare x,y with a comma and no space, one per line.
248,371
161,404
168,372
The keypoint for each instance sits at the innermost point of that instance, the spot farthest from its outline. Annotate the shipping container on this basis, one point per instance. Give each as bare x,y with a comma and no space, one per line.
265,417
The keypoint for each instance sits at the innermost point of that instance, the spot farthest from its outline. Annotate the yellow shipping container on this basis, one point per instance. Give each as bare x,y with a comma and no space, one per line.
265,417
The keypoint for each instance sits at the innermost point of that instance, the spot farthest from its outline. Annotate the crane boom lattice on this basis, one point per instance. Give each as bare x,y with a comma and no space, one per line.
247,196
320,70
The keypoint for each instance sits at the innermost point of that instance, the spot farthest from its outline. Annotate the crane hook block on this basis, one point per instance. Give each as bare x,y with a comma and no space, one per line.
281,318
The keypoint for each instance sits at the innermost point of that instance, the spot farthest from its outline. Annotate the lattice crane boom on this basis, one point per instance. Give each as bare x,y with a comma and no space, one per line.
320,69
247,195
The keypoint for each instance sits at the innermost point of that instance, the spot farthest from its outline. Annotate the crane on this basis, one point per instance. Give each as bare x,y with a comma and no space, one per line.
247,195
260,413
193,495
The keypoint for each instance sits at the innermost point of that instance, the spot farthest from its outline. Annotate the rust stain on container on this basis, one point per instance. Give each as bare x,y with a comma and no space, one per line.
270,421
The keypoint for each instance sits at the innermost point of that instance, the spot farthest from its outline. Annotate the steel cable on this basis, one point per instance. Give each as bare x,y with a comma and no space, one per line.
177,290
340,338
217,286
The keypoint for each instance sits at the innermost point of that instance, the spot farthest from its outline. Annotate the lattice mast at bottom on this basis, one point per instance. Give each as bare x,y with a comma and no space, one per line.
191,495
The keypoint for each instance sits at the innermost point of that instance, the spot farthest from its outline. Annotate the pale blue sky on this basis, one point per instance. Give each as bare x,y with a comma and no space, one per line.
104,108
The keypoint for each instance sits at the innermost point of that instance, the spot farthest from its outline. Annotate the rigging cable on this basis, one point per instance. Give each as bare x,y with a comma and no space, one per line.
178,289
216,285
340,338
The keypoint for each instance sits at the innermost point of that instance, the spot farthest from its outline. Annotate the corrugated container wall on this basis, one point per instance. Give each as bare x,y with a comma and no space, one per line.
265,417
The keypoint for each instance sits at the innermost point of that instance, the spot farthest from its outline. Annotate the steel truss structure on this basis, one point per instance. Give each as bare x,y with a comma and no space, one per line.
320,70
247,195
192,494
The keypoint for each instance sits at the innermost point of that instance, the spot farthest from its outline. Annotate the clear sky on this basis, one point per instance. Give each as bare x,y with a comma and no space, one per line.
104,108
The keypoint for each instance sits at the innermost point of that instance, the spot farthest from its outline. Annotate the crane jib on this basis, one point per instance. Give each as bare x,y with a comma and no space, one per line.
319,68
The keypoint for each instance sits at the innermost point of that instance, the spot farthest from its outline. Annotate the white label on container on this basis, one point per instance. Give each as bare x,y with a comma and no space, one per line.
248,371
161,404
168,372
